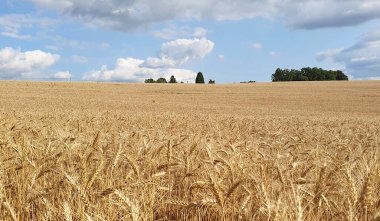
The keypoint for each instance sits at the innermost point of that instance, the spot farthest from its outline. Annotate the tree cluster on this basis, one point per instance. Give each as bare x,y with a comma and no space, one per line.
248,82
308,74
161,80
198,80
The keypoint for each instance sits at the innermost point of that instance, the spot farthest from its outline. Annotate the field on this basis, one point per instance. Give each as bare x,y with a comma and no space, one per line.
263,151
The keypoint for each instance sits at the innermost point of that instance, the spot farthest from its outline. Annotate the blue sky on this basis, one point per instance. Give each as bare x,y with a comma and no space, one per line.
229,41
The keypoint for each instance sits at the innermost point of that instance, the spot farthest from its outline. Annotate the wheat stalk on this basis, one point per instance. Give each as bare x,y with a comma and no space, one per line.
95,174
133,206
67,211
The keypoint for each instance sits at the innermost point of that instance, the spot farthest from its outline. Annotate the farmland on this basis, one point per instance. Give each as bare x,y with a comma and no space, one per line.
263,151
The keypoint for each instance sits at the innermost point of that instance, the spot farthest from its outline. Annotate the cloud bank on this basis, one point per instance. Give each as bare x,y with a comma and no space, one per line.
300,14
15,64
172,56
179,52
361,60
131,70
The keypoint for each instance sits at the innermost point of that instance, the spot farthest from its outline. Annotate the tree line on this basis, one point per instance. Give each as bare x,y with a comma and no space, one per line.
198,80
162,80
308,74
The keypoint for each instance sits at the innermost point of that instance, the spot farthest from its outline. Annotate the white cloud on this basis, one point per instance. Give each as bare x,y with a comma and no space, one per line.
221,57
62,75
361,60
305,14
174,32
179,52
159,62
131,70
16,64
172,55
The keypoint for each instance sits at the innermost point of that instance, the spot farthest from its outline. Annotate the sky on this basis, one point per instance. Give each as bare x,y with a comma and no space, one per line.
227,40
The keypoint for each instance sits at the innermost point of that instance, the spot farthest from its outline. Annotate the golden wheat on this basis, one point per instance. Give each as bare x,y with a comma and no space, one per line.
95,151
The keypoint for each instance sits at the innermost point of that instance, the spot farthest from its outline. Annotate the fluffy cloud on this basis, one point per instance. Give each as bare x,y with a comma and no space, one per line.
126,15
361,60
172,55
180,51
17,64
62,75
131,70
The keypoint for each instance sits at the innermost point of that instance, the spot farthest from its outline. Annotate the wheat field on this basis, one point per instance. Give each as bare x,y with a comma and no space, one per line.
263,151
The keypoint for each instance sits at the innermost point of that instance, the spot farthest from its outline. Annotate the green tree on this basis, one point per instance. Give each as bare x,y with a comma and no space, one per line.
308,74
211,81
161,80
172,80
150,80
340,76
279,75
200,79
318,73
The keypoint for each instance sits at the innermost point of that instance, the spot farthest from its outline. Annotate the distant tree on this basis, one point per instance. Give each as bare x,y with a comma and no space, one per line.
150,80
308,74
211,81
247,82
161,80
172,80
199,79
